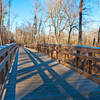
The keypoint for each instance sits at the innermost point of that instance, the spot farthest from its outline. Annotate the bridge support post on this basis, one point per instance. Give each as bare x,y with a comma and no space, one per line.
64,58
52,49
77,60
7,64
1,73
89,69
47,50
56,52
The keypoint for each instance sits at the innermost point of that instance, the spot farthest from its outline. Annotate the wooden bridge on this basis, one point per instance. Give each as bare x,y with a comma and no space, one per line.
49,72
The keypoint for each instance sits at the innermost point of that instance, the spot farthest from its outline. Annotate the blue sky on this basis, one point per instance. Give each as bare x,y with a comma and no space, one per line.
22,11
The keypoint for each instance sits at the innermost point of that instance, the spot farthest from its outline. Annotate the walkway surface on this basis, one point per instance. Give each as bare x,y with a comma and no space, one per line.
35,76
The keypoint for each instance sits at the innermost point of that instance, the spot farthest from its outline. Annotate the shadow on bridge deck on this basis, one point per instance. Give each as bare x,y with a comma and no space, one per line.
37,77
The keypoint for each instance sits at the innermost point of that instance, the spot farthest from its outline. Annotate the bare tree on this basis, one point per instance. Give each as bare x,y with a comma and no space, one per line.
80,22
40,24
3,30
62,16
72,15
56,16
59,19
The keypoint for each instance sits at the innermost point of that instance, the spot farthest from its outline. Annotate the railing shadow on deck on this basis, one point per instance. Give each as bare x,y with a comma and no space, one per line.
83,59
74,94
56,80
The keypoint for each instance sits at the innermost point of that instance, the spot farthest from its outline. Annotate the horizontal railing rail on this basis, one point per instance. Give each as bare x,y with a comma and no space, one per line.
5,48
81,57
6,57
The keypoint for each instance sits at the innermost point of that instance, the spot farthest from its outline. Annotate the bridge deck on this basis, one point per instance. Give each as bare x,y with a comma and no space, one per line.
37,77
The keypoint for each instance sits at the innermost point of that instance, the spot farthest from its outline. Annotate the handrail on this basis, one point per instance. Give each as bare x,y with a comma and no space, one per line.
78,47
5,48
81,57
2,64
6,56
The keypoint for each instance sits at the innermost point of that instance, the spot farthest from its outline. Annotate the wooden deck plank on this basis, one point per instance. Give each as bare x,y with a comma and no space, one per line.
40,78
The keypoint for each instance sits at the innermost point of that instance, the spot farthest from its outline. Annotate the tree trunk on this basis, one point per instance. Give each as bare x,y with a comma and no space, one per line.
69,35
0,22
80,23
56,35
99,36
34,25
8,34
94,41
9,16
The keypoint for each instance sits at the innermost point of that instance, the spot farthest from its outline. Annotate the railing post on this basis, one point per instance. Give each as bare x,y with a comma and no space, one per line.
40,49
89,69
68,55
50,50
52,47
56,52
37,46
46,49
60,48
43,48
7,64
65,55
1,73
77,59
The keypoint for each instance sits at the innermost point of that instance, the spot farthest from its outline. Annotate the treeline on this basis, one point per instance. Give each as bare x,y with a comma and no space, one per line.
54,21
59,21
